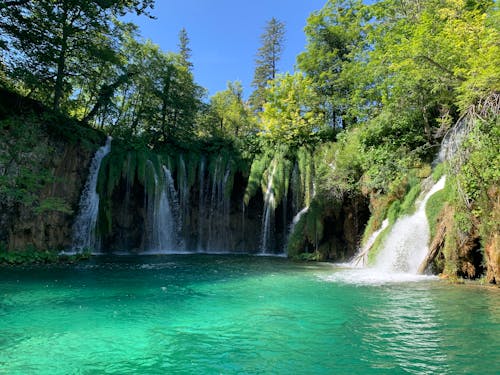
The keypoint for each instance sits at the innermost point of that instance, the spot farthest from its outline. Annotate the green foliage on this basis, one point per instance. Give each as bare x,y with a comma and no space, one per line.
53,204
290,112
80,38
160,100
438,171
306,176
433,209
184,49
227,115
338,165
25,157
308,232
296,240
394,211
314,228
481,171
268,56
408,205
377,245
333,34
31,255
259,166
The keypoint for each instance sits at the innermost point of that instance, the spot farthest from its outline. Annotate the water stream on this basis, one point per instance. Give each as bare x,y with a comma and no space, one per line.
406,246
84,227
361,259
162,215
266,243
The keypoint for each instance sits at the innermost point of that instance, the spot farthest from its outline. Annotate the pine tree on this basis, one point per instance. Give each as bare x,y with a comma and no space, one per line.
184,50
267,60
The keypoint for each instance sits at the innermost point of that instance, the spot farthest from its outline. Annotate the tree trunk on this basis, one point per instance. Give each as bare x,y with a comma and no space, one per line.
106,93
61,63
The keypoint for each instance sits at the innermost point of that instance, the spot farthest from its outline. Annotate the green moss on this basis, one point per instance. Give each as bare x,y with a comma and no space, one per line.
309,230
377,245
257,170
434,206
306,174
438,172
53,204
296,240
394,211
408,205
30,255
315,256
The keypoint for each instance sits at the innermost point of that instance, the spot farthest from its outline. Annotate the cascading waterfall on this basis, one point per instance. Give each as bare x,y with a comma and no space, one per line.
162,227
297,196
406,245
296,219
182,183
361,259
201,203
452,141
266,243
214,233
84,228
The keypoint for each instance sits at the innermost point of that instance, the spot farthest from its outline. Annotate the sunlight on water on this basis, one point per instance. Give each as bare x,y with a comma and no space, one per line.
239,315
349,274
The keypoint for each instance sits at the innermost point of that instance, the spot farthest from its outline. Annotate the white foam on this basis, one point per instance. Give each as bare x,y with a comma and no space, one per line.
370,276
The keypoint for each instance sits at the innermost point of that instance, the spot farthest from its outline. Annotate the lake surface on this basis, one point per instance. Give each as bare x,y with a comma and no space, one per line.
200,314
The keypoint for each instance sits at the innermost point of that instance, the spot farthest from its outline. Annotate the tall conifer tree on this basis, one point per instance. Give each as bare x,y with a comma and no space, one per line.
268,56
184,49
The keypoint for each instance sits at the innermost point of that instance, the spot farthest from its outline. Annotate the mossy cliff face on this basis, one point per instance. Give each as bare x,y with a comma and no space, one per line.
330,229
51,228
44,160
237,230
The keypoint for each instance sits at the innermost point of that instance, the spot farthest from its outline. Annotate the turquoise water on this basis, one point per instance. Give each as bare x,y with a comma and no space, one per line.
197,314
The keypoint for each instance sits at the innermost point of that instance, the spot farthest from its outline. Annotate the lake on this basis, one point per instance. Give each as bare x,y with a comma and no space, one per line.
224,314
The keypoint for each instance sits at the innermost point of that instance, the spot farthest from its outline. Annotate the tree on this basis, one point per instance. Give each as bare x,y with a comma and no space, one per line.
290,112
268,56
334,35
153,94
53,40
228,115
184,49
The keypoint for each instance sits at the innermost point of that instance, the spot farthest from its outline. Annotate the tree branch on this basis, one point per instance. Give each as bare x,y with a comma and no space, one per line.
440,67
106,92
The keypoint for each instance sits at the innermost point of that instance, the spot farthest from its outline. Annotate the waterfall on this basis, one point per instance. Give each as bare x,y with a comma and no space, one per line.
266,242
162,227
182,183
84,228
297,196
214,202
452,141
361,259
201,203
406,245
296,219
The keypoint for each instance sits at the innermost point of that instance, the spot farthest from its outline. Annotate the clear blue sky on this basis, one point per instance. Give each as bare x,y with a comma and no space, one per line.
225,34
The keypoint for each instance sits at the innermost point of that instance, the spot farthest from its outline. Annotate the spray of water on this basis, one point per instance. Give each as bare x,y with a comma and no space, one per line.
84,228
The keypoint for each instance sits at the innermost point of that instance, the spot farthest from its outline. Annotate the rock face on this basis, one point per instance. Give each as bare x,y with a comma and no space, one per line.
52,229
492,252
203,227
492,246
44,159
